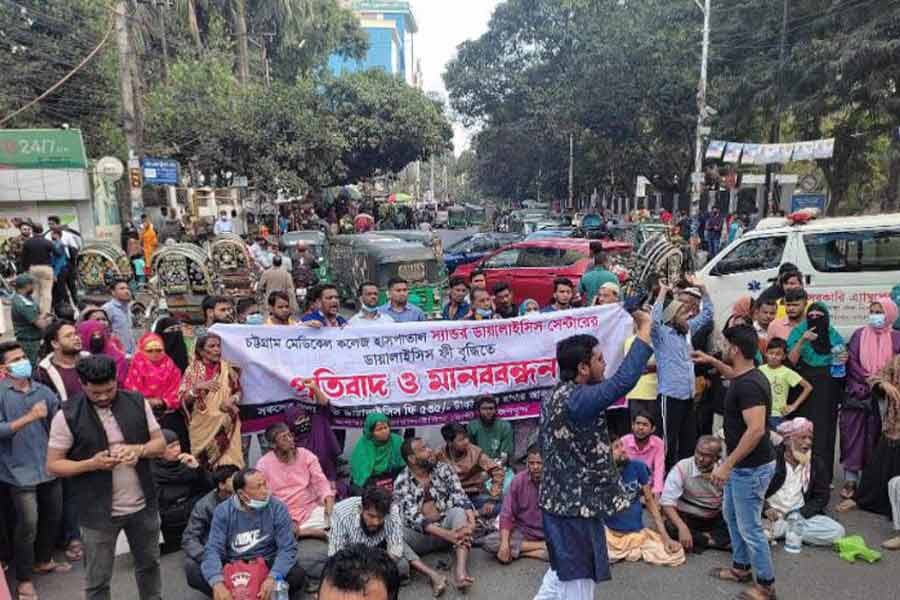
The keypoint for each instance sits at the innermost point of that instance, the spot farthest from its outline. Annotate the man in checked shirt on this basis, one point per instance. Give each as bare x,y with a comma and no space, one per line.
368,520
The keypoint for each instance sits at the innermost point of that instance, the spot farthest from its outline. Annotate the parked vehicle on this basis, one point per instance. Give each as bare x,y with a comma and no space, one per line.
472,247
102,263
475,215
429,239
184,276
374,257
530,266
846,262
552,232
456,217
233,267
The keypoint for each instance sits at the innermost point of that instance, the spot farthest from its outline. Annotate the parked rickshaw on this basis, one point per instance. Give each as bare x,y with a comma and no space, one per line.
375,257
232,266
317,243
456,217
102,263
184,276
475,215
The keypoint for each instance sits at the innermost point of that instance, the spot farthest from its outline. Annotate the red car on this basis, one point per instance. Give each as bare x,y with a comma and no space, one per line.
529,267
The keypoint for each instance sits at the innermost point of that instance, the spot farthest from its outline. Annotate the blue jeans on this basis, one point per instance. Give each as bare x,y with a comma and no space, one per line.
742,507
714,241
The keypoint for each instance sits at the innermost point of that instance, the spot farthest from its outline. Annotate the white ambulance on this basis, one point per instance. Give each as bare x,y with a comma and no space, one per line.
846,262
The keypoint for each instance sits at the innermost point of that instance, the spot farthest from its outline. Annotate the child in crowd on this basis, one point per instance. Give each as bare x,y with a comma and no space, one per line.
647,448
782,379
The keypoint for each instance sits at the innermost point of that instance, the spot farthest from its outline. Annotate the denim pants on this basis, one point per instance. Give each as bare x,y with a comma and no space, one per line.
142,531
742,507
38,514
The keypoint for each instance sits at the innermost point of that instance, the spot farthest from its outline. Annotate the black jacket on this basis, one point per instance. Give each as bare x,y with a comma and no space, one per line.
193,540
815,499
93,490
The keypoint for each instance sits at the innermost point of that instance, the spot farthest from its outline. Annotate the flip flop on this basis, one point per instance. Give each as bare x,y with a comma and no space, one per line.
54,567
75,551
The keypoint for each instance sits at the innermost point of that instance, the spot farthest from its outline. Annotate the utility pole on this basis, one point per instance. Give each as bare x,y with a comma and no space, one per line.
446,188
571,171
161,6
129,122
431,180
775,133
697,178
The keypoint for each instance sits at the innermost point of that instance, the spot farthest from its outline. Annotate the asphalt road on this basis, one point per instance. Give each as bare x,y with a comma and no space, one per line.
815,573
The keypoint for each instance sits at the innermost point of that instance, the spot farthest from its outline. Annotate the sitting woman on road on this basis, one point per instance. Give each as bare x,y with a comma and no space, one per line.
210,393
154,374
376,457
97,339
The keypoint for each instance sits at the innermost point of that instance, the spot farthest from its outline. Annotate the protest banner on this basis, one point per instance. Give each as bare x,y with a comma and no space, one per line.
418,374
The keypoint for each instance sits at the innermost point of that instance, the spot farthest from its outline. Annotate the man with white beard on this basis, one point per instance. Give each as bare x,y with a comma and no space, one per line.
800,484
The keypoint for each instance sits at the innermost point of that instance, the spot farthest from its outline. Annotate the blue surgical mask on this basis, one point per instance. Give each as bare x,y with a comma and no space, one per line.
370,309
21,369
485,313
876,320
259,504
254,319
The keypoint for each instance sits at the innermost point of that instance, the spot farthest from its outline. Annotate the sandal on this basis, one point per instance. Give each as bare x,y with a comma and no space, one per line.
731,574
54,567
845,505
757,592
75,551
26,595
848,490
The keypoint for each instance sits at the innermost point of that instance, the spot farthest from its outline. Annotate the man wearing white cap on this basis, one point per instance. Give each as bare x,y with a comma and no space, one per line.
800,484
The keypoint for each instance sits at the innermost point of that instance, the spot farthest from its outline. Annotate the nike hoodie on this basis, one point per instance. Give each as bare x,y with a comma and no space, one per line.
239,533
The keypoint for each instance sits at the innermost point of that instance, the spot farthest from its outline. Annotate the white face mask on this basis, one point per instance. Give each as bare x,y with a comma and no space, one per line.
876,320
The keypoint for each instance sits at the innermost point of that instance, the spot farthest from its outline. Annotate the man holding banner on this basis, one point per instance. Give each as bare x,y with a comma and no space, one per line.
581,485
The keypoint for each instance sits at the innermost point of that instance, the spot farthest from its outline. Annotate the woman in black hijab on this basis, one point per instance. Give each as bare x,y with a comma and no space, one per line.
169,329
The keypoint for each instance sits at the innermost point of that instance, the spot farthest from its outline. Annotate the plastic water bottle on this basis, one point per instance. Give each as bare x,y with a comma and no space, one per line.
793,537
838,367
281,589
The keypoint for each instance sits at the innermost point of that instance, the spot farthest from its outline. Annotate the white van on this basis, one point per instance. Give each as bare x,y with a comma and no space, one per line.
846,262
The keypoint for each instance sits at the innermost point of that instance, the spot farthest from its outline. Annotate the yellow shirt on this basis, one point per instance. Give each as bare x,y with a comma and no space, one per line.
781,311
645,389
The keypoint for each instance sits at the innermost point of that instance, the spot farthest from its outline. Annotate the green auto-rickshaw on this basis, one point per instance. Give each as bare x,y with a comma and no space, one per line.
356,259
456,217
475,215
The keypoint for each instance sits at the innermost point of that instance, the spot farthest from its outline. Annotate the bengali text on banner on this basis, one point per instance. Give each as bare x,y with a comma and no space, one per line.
417,373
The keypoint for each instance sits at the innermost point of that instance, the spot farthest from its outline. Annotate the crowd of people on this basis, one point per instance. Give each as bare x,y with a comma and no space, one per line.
703,439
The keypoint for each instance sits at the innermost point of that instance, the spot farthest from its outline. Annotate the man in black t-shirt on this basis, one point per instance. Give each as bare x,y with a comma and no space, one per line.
749,467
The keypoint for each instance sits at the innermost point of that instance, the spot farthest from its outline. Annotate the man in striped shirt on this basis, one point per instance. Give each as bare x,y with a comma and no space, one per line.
369,520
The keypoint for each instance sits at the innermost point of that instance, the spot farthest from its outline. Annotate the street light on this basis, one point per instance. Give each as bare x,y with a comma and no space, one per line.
702,112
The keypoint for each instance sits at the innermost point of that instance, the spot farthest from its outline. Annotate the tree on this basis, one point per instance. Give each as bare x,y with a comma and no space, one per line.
387,123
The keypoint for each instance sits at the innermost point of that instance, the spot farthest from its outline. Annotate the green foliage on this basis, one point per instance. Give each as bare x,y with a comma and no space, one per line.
40,42
387,123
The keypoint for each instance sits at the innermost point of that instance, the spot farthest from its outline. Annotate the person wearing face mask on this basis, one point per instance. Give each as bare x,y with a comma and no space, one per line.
26,409
870,348
812,344
482,307
210,391
170,330
673,324
368,307
156,377
529,307
798,485
252,525
96,339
